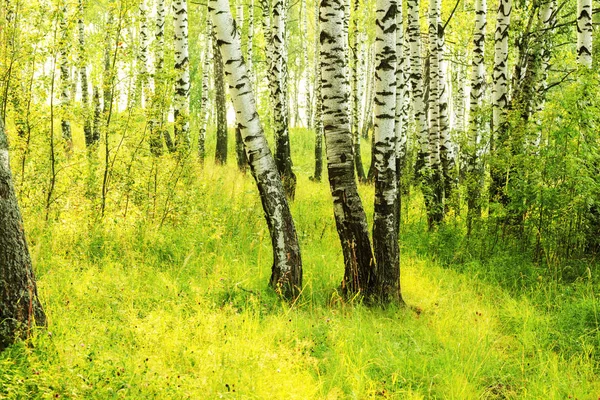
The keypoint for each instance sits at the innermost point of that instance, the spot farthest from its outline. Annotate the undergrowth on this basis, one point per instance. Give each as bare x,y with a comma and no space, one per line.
167,297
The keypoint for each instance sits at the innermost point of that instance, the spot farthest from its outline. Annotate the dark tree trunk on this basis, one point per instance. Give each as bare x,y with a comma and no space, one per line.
20,307
221,150
97,116
242,160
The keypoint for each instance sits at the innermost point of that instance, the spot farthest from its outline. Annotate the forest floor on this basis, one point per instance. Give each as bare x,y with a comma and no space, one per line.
172,302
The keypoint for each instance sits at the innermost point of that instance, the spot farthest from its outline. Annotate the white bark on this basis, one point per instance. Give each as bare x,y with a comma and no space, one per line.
477,73
385,234
584,32
416,82
434,85
181,97
143,54
279,97
402,103
87,125
500,75
250,47
65,85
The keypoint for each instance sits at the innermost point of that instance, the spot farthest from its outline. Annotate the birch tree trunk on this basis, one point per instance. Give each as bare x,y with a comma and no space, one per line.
204,106
181,97
367,120
142,78
584,32
416,85
20,308
351,221
283,156
360,171
309,88
87,123
286,275
474,179
385,233
107,76
500,96
65,85
402,104
319,102
157,120
240,154
436,209
500,75
250,47
446,146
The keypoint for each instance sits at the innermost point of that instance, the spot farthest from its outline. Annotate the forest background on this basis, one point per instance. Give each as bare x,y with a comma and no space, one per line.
149,241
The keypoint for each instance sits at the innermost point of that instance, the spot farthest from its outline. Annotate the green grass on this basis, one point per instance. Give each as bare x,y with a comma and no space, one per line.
171,301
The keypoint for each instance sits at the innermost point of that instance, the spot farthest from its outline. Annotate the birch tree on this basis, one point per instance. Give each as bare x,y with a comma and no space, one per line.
142,78
87,122
500,94
436,209
476,124
402,105
157,118
204,101
447,156
220,104
286,275
351,221
181,98
385,233
416,84
65,85
318,124
20,308
354,50
278,73
584,32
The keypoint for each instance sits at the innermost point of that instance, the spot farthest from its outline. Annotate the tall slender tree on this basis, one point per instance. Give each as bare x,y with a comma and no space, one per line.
447,156
476,117
220,104
157,118
354,49
87,120
385,233
436,209
204,100
181,98
20,308
416,85
286,274
351,221
240,154
402,105
318,117
65,85
279,91
584,32
142,78
500,94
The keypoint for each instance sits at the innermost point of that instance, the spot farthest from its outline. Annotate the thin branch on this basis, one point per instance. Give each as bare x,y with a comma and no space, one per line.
451,15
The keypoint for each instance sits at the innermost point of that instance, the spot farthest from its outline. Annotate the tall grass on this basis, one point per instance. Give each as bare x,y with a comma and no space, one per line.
169,299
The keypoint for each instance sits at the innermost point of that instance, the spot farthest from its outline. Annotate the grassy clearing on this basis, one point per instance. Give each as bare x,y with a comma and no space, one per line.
170,301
